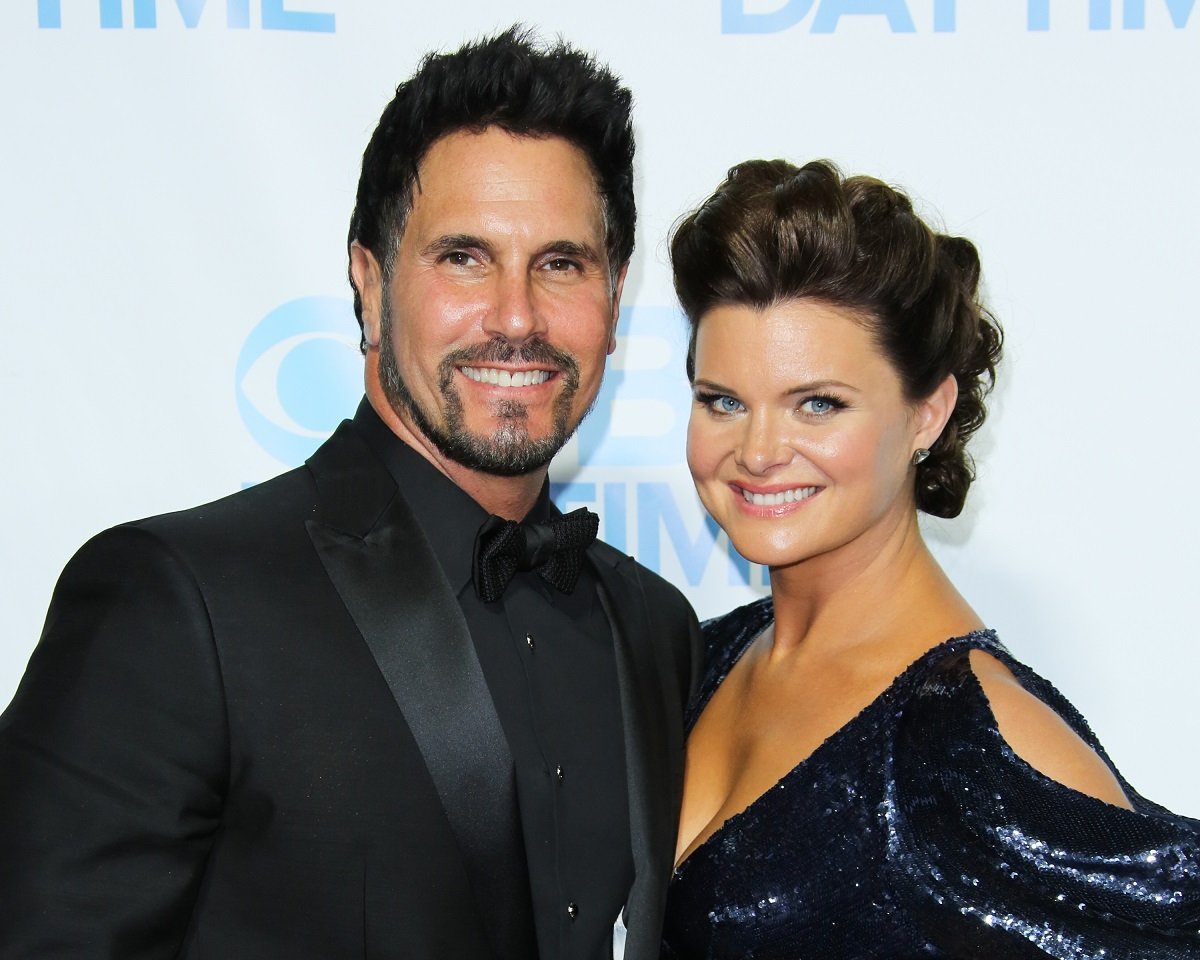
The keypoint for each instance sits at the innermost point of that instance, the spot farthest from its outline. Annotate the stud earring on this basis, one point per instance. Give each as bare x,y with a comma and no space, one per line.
920,455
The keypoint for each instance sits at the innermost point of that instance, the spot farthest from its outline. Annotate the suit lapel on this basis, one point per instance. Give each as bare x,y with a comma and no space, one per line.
391,583
651,764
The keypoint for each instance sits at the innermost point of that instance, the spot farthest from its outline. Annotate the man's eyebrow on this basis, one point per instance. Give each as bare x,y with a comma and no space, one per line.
455,241
572,248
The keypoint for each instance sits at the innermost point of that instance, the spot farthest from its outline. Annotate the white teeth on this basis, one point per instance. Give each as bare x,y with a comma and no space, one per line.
780,498
506,378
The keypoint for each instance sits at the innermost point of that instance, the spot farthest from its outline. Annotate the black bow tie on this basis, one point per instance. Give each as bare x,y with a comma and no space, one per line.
554,549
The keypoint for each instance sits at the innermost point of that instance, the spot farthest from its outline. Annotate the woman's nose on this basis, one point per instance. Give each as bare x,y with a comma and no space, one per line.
763,446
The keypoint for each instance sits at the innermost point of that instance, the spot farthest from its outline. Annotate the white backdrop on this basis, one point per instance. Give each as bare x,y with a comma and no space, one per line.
176,179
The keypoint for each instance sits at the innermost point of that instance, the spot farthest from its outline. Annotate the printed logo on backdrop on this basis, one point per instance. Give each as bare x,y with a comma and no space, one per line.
938,16
233,14
299,373
630,451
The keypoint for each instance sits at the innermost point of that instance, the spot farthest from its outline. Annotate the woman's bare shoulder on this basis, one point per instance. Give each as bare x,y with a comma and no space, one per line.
1040,736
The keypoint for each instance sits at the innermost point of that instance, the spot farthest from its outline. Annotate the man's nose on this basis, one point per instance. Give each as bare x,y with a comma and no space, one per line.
515,313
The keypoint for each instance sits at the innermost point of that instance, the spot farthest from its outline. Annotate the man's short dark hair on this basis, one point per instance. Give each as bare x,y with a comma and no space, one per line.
514,82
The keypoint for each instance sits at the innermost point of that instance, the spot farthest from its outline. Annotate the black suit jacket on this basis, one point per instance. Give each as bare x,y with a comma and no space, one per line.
258,729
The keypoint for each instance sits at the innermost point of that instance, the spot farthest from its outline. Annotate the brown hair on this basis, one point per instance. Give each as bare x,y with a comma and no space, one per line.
773,232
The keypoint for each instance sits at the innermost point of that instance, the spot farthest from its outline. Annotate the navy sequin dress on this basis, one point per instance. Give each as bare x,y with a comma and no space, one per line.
914,832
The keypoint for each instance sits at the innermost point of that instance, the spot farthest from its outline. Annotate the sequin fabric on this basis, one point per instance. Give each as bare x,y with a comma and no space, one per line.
916,832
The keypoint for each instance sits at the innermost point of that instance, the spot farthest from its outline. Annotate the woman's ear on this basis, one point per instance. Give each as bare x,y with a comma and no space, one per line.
934,412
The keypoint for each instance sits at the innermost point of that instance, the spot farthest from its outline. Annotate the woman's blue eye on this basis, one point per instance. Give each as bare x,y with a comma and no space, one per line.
820,406
719,403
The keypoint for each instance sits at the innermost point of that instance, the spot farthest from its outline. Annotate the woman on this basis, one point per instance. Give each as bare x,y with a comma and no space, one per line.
858,785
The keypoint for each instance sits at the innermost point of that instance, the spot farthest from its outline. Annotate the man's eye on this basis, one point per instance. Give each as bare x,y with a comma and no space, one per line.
561,264
459,258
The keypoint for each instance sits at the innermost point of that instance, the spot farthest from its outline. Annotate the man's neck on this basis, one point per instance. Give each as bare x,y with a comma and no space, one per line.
509,497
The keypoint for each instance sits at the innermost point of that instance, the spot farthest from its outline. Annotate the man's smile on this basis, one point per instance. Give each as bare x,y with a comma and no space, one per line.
500,377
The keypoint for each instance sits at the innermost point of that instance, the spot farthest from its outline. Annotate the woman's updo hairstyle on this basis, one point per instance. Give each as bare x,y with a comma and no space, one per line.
774,232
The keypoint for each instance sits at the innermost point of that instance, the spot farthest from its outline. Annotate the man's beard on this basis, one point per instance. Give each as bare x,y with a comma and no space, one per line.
509,451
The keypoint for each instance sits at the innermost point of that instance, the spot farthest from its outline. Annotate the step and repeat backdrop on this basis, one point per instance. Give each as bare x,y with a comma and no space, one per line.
176,178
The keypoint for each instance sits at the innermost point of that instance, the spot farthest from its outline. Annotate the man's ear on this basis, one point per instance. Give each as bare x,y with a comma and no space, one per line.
618,288
368,281
934,412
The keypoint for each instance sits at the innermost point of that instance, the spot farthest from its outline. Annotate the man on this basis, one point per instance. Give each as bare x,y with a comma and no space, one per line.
356,711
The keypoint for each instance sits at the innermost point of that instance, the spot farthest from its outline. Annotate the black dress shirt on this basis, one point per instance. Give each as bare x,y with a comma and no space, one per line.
548,661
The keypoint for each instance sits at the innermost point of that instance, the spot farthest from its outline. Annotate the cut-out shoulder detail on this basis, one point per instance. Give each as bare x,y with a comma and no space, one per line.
918,831
1040,737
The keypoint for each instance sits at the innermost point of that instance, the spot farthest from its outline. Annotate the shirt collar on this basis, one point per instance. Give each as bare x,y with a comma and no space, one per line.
446,514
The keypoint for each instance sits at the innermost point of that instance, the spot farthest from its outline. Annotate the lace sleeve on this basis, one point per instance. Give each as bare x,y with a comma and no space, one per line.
1001,861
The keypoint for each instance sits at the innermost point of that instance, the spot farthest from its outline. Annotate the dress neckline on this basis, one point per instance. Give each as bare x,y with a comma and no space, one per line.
985,638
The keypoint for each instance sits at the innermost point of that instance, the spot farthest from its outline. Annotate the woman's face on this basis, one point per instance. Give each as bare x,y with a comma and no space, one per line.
800,440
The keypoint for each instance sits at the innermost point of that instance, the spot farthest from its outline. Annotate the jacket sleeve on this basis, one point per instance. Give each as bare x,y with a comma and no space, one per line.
691,657
1001,861
113,760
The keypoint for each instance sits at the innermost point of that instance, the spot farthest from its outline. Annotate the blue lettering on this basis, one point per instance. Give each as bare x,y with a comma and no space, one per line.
739,569
735,19
1135,13
237,15
568,496
49,14
657,509
1100,14
945,18
145,12
615,516
641,411
831,11
275,17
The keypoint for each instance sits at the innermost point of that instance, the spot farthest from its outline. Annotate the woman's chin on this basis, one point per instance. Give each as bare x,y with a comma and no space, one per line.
770,556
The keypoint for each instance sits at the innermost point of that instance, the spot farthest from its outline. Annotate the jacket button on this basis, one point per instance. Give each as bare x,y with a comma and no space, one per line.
529,642
572,910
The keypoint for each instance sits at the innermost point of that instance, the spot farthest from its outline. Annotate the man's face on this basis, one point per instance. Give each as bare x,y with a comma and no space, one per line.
493,328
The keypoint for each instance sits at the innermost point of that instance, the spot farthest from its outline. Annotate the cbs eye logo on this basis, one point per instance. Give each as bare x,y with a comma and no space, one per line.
641,411
299,374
